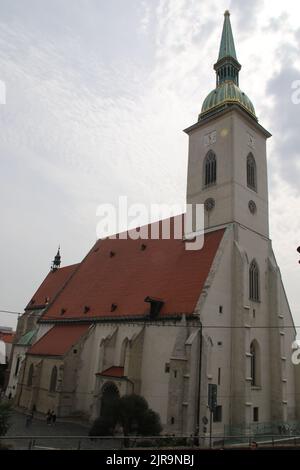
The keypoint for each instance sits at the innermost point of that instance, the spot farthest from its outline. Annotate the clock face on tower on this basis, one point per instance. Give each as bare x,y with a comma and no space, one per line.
209,204
252,207
210,139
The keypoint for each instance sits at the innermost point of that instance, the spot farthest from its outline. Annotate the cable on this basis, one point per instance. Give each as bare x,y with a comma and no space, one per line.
136,323
9,311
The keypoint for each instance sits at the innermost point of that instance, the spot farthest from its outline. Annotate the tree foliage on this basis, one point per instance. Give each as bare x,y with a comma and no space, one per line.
103,426
5,414
132,413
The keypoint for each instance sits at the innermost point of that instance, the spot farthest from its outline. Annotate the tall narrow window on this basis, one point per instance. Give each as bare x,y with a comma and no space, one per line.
30,376
210,169
217,414
17,365
251,172
254,281
53,380
255,414
255,364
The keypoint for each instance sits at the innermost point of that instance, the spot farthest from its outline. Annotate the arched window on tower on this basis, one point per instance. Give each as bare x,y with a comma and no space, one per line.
30,376
17,365
254,282
210,169
255,364
251,172
53,380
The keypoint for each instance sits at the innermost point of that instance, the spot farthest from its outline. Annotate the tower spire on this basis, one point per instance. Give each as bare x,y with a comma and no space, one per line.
56,262
227,91
227,67
227,43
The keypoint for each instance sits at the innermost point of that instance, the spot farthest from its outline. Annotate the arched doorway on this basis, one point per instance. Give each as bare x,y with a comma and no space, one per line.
109,395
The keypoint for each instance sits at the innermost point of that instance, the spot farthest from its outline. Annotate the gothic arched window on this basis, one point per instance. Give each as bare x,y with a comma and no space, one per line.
251,172
17,365
254,281
30,376
53,380
255,364
210,169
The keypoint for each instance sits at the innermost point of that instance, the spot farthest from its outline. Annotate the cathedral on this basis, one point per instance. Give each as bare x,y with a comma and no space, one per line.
148,316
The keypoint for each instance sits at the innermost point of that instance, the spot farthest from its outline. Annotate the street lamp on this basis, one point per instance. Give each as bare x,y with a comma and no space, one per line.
197,429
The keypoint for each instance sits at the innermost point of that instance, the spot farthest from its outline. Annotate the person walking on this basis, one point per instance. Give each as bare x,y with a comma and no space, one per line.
53,418
48,417
28,420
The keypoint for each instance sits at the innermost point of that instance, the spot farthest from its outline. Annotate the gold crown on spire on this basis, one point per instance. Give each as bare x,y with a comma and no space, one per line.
227,13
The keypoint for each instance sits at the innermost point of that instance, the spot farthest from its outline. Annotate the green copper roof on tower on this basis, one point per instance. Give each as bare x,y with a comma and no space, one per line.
227,92
227,48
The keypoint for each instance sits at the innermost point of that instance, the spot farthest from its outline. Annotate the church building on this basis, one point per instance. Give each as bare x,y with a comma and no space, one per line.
148,316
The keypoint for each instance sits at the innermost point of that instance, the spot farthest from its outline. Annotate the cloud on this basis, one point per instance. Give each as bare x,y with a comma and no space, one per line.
286,121
97,96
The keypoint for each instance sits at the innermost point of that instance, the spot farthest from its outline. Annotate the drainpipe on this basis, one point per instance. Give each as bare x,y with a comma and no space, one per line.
132,384
197,430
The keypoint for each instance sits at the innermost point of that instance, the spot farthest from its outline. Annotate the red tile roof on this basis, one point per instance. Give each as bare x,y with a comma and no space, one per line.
59,340
7,337
113,372
121,272
51,285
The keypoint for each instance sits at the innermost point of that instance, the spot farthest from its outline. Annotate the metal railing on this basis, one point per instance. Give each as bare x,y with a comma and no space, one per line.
259,431
151,442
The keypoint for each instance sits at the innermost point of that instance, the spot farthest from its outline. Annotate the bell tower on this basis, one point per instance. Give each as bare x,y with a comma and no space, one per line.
227,166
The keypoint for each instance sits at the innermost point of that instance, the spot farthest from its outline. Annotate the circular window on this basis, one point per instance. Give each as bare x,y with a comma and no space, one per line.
252,207
209,204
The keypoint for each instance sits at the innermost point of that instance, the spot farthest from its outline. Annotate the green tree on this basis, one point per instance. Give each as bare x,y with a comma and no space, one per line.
132,413
149,424
103,426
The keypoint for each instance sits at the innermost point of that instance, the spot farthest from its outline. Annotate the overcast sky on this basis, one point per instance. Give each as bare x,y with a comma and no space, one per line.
97,95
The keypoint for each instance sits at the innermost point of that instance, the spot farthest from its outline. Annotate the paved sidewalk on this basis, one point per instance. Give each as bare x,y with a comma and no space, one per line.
56,436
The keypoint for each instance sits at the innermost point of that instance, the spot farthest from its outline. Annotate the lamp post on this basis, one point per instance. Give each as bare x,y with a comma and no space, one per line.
197,430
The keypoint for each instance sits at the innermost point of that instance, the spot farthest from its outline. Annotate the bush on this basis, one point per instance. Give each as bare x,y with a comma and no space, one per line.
132,413
132,408
5,414
103,426
149,424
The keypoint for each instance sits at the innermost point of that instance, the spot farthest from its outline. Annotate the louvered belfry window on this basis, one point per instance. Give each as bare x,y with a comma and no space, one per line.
254,281
251,172
210,169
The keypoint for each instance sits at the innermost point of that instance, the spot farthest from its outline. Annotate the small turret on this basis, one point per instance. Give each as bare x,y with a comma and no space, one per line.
56,262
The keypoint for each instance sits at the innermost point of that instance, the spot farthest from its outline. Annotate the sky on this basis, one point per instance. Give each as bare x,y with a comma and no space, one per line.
97,96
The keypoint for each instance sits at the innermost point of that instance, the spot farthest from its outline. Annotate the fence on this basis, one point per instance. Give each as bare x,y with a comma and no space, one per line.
141,442
259,431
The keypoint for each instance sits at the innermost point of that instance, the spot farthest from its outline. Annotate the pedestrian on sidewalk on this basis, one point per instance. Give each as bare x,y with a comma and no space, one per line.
53,417
28,420
48,417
